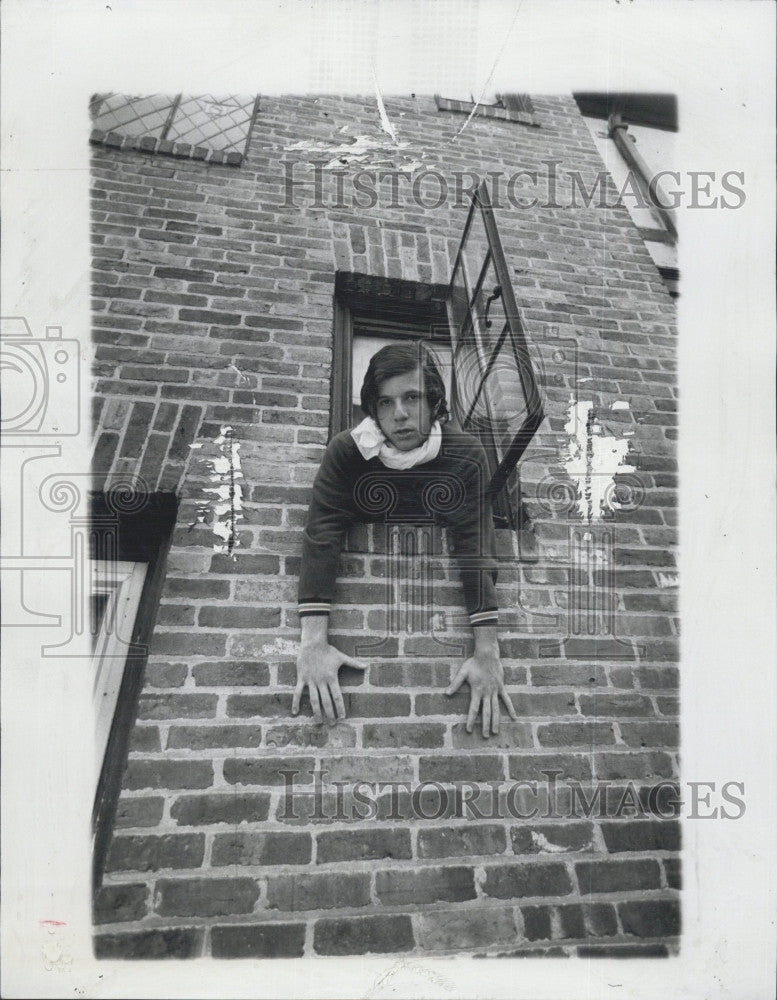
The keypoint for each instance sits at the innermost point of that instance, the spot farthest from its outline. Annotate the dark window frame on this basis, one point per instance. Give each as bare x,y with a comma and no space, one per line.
142,536
512,107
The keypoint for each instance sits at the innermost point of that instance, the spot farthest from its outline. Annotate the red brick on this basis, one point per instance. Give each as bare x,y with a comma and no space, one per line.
452,931
475,767
311,736
511,734
539,767
145,739
205,897
207,810
194,643
614,766
402,734
576,734
510,880
363,935
673,873
318,892
118,903
425,885
653,918
663,835
363,705
373,768
362,845
536,922
149,853
208,588
177,706
258,941
165,675
441,704
213,737
461,841
261,849
168,774
269,770
246,564
664,735
209,316
623,951
239,617
235,673
174,942
613,876
410,674
249,706
551,838
139,812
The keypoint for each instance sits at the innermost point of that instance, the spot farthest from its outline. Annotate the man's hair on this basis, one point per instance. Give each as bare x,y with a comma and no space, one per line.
399,359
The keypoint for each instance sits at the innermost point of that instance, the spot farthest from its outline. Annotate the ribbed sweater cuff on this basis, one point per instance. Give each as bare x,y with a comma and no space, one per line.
490,617
306,608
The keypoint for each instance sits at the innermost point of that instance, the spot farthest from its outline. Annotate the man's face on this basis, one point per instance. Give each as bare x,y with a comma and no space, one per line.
403,412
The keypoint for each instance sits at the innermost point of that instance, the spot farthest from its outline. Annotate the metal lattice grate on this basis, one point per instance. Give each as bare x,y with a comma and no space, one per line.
202,126
218,123
134,116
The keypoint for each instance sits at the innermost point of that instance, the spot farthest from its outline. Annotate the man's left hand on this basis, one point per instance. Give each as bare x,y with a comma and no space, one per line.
485,675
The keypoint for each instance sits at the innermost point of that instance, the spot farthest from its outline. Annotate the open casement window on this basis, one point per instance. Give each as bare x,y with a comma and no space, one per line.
495,392
128,545
476,337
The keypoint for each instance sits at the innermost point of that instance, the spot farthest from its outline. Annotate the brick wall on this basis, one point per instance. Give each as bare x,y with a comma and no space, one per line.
213,310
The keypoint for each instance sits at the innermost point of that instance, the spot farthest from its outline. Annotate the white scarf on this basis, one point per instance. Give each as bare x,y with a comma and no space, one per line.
371,442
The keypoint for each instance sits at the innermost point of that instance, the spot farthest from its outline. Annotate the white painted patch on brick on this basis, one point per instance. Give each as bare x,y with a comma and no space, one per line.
620,404
542,842
593,460
377,150
223,508
668,580
280,647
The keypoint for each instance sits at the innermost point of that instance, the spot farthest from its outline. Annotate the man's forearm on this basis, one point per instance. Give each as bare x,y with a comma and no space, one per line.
314,630
486,640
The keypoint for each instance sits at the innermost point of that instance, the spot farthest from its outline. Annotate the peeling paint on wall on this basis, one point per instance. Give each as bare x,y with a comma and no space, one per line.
543,844
368,150
223,508
382,148
593,459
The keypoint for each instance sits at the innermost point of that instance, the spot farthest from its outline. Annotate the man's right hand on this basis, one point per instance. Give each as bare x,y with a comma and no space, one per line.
318,664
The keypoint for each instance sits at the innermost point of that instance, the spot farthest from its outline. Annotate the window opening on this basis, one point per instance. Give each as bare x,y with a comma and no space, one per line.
473,328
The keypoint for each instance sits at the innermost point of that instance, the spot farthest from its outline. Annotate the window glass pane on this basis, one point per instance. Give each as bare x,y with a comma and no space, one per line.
471,410
504,391
363,350
218,123
132,115
488,311
97,605
474,250
458,304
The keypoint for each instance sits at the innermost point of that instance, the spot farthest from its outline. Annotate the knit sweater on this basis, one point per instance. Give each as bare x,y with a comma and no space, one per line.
447,491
